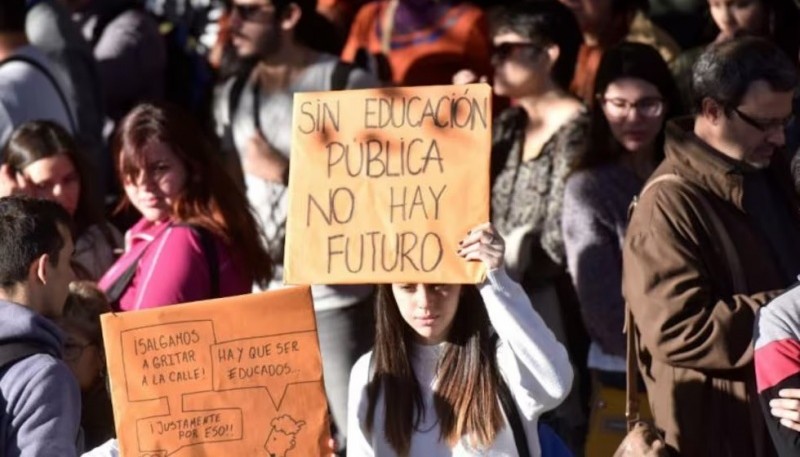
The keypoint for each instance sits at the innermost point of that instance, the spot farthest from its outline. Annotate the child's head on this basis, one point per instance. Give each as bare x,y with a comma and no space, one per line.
83,350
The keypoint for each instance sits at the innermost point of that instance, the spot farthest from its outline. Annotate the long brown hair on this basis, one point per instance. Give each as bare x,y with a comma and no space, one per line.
210,199
465,400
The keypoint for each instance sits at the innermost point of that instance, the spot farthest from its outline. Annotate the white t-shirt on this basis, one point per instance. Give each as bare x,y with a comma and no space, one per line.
534,364
26,94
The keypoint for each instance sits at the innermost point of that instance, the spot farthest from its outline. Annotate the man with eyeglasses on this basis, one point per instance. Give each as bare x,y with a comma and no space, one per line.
707,249
254,117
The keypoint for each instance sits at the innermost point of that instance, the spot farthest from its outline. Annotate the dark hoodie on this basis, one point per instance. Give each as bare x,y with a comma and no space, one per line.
41,401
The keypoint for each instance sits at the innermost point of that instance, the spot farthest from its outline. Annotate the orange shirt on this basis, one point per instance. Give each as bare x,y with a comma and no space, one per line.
458,40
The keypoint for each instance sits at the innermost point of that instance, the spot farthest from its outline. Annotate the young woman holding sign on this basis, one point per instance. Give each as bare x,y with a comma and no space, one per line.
438,375
197,238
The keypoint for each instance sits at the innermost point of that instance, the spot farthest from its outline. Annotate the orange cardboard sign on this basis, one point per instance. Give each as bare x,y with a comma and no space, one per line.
384,183
233,376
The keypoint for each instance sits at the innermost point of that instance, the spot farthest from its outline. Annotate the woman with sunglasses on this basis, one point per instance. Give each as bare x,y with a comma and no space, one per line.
440,382
534,146
635,95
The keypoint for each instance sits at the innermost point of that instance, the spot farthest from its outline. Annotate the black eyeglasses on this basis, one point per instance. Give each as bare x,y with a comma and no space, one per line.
247,12
503,51
73,351
764,126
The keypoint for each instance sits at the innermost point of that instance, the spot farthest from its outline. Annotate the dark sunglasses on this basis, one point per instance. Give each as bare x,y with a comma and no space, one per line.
503,51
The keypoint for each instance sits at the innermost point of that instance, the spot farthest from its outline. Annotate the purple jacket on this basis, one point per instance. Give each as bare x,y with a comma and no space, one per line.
173,268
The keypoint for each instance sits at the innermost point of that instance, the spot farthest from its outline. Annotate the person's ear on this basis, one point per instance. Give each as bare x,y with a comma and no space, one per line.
553,51
291,17
40,269
712,111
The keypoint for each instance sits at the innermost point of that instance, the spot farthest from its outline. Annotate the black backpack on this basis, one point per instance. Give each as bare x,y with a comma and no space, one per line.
339,78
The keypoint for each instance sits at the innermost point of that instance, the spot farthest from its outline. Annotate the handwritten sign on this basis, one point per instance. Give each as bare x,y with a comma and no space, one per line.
384,183
234,376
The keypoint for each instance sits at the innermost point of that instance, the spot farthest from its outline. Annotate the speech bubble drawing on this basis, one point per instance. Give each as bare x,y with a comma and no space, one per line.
272,362
179,430
175,355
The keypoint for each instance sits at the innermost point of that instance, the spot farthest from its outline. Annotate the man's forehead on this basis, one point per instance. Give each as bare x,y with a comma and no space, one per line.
767,101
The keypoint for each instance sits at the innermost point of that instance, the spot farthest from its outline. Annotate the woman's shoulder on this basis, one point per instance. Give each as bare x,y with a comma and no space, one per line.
595,179
195,236
568,115
574,113
362,369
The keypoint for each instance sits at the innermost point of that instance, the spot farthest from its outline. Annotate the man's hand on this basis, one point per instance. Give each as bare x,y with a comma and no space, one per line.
468,77
13,182
262,160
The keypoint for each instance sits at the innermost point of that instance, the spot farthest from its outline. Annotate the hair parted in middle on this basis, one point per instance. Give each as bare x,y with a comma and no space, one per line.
465,400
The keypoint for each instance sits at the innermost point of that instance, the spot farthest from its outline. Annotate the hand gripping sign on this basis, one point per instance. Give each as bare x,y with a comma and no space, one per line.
384,183
234,376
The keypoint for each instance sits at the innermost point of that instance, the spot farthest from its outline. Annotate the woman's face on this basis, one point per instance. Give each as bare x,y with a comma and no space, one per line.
55,178
84,358
734,17
428,309
635,112
158,185
519,65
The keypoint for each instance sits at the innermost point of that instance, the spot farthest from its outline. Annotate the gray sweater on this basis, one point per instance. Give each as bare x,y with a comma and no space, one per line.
41,401
594,222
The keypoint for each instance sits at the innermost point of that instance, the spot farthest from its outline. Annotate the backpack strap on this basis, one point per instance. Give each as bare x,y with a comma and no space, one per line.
118,287
715,227
15,351
341,75
43,70
210,253
234,94
207,244
510,408
512,414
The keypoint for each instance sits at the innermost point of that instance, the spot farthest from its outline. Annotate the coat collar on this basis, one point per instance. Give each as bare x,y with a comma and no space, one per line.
692,158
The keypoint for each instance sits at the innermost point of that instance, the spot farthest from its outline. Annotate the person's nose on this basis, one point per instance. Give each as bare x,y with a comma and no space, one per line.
58,190
234,19
143,180
777,136
633,114
424,297
728,17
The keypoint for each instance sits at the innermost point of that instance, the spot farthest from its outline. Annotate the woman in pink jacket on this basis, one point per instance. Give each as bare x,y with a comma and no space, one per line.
197,238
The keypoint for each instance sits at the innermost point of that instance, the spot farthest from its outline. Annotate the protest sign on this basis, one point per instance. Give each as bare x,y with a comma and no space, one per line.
384,183
233,376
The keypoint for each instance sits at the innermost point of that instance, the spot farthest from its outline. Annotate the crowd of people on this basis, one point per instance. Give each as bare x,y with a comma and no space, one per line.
643,161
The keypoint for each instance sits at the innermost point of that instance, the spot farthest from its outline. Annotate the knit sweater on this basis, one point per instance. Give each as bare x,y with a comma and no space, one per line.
594,222
534,364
